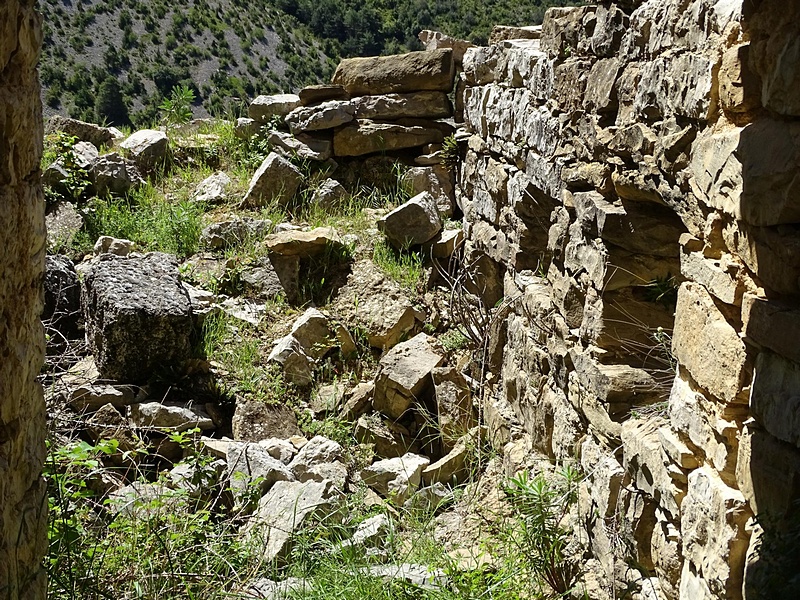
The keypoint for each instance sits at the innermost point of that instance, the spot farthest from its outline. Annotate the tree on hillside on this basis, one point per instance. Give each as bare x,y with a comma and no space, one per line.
110,107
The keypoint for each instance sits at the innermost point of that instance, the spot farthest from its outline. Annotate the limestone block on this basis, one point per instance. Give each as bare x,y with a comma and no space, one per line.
452,468
254,421
718,276
479,64
396,478
436,180
263,108
775,396
569,83
284,510
368,137
313,330
314,94
114,174
213,189
563,30
304,243
606,476
404,375
388,439
226,234
715,540
707,345
502,33
411,72
170,416
676,85
250,464
522,64
148,148
767,472
413,223
455,413
85,132
302,145
435,40
357,401
320,460
297,366
772,324
327,115
138,315
330,193
419,105
276,179
645,461
601,93
739,87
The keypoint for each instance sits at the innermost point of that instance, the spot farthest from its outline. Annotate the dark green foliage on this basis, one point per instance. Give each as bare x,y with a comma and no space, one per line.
110,106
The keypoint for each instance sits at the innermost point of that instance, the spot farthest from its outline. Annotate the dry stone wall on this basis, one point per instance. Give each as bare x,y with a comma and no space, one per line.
22,239
635,150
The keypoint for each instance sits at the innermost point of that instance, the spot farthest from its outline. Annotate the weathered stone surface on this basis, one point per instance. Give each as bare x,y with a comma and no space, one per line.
213,189
245,128
303,146
320,459
452,468
314,94
368,137
395,478
114,174
417,105
706,344
155,415
284,510
404,375
138,315
148,148
304,243
715,541
86,132
254,421
357,401
738,87
249,464
378,305
298,367
329,193
275,180
718,276
771,253
93,396
436,180
321,116
313,330
63,222
455,412
412,223
389,440
412,72
263,108
772,324
436,40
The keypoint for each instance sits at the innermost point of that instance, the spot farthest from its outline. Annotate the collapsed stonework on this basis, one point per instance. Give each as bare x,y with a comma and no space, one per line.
22,238
638,149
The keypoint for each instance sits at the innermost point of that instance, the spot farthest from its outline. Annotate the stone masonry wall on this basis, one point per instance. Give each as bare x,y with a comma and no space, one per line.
22,415
636,148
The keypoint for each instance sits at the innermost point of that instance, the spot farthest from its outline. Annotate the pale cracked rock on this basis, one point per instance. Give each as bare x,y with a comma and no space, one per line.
320,116
715,540
250,464
707,345
213,189
313,331
301,145
418,105
396,478
148,148
284,510
456,415
279,449
114,174
263,108
329,193
404,375
296,364
775,396
320,459
304,243
436,180
155,415
368,137
109,245
276,179
413,223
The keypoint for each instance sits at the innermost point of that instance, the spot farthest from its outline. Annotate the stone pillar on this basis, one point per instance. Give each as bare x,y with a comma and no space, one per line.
23,514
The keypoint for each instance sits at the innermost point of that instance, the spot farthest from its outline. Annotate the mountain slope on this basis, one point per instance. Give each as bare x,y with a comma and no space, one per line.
114,61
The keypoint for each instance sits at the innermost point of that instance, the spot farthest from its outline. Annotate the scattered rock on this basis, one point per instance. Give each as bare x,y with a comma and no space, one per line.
404,375
114,174
92,396
246,128
320,460
454,403
148,148
155,415
250,464
255,420
85,132
389,440
329,193
357,401
63,223
226,234
326,399
109,245
276,179
304,243
395,478
371,533
416,105
313,330
298,367
212,190
436,180
138,315
279,449
413,223
301,145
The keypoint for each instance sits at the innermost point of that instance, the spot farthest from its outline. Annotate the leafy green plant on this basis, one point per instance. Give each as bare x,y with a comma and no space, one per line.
76,181
177,109
453,340
540,506
404,266
450,153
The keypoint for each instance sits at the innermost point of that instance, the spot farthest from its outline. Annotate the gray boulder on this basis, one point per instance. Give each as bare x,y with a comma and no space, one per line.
298,367
263,108
114,174
322,116
213,189
138,315
396,478
148,148
329,193
85,132
108,245
173,416
302,145
320,459
251,464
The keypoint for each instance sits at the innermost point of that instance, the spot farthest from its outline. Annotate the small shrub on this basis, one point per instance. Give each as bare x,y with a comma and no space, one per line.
404,266
177,109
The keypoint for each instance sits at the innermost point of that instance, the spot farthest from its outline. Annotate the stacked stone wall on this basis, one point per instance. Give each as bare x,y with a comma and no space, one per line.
22,415
632,189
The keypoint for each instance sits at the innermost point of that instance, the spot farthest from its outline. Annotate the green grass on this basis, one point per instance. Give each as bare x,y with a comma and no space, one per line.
404,266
